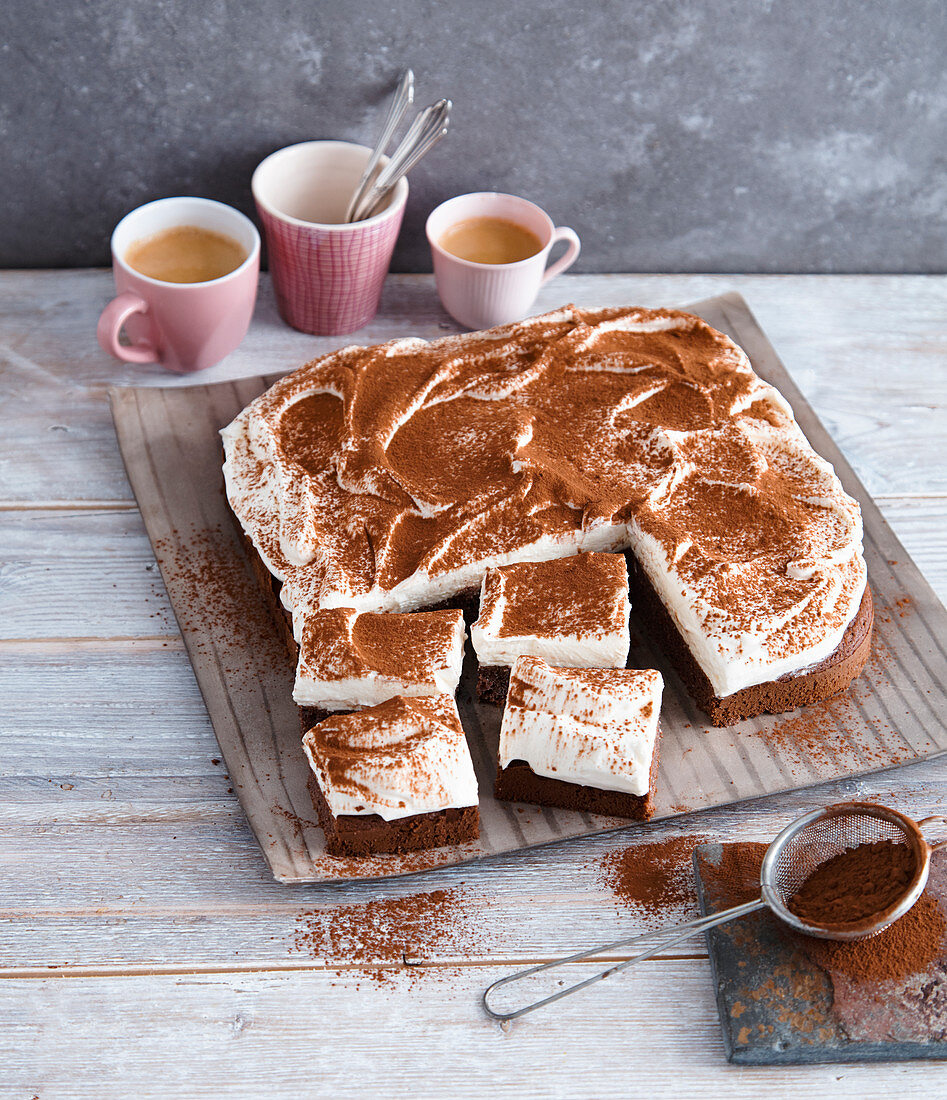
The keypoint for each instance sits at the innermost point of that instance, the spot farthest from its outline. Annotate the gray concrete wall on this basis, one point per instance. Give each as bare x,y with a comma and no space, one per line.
686,135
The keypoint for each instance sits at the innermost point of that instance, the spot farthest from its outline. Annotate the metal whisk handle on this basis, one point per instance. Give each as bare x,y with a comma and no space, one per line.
661,938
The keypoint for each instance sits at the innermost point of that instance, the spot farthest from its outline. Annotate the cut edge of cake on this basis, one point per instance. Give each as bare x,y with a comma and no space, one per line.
807,686
517,781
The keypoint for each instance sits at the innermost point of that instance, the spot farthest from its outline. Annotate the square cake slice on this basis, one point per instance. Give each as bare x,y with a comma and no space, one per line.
393,778
571,612
350,659
583,739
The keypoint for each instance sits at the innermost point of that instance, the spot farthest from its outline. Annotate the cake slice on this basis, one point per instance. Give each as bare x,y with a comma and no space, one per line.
349,659
571,612
393,778
583,739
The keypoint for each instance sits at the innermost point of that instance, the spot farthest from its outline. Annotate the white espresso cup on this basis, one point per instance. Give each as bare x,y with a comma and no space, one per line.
483,295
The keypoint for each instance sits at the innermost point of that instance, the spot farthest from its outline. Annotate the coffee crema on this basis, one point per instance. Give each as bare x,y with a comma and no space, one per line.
185,254
490,241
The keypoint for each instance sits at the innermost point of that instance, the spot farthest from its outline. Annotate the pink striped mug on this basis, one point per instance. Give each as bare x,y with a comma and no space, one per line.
327,273
483,295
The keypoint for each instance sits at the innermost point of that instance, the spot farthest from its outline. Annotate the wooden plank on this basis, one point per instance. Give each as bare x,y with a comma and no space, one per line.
221,911
650,1032
88,574
834,320
101,706
57,443
153,871
860,367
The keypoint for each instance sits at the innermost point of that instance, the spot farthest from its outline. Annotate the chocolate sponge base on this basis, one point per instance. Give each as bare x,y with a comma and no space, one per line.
517,782
368,834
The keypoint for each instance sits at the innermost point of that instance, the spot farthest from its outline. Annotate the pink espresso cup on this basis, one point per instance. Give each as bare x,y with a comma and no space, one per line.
483,295
183,326
327,273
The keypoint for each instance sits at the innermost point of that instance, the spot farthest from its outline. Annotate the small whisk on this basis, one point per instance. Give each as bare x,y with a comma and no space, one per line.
791,858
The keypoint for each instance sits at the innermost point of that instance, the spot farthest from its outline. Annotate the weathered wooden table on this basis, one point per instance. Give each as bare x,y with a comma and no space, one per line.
144,949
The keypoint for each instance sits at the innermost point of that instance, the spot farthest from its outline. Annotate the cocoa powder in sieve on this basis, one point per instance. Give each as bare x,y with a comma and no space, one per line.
909,946
856,884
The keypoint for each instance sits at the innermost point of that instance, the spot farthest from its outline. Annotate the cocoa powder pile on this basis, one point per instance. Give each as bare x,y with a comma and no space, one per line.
852,887
654,877
856,884
908,946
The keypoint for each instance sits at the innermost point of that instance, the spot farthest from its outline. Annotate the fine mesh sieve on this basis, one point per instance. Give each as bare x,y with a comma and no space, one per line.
800,848
812,840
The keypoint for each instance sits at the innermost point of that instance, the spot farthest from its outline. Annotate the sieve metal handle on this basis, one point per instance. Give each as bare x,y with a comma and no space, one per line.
665,937
926,821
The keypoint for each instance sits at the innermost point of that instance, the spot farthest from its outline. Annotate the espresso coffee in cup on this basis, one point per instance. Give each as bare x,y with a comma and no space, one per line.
185,254
490,241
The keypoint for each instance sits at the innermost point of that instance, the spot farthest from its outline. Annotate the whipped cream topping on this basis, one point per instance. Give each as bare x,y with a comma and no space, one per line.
596,727
405,756
350,659
392,477
569,611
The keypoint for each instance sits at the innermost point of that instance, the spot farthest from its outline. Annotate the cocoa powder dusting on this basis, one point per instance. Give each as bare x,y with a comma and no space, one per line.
653,877
581,595
908,946
855,884
420,459
340,642
390,933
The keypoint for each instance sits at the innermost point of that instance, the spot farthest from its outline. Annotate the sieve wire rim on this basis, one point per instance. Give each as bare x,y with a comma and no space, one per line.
877,922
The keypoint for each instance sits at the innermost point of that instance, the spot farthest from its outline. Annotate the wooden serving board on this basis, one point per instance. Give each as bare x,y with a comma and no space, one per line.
891,715
777,1006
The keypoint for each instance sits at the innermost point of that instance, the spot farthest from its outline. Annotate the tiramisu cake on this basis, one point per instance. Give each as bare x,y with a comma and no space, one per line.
391,478
393,778
580,738
571,612
351,659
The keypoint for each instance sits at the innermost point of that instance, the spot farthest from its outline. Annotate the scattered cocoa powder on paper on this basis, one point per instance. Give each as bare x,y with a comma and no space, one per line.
219,602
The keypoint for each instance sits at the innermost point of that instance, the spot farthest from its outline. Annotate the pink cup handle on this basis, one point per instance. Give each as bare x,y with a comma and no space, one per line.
563,233
115,314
